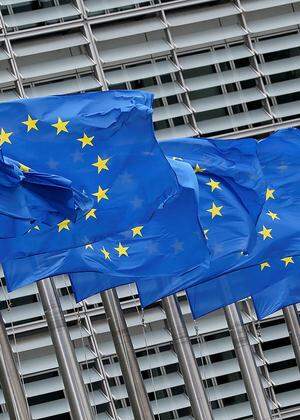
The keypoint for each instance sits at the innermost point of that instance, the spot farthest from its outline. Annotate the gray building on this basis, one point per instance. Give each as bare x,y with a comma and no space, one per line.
216,68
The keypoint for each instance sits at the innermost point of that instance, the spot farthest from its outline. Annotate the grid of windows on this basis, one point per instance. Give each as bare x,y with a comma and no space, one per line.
216,68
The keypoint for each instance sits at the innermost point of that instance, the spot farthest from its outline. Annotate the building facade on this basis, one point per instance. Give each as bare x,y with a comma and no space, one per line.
227,68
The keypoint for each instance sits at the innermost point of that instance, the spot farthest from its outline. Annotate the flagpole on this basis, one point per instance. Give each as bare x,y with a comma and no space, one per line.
187,362
291,317
249,371
11,385
136,390
76,392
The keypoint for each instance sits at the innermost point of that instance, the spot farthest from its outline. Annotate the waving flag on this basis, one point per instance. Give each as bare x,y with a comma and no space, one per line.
170,244
278,233
28,198
103,142
231,196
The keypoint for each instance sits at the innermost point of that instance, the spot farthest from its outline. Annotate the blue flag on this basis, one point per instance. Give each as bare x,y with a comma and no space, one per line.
278,231
28,198
231,196
285,292
170,244
104,143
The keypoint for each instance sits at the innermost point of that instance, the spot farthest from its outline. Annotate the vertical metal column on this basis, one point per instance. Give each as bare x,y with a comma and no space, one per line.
11,385
76,392
292,321
250,374
187,361
137,394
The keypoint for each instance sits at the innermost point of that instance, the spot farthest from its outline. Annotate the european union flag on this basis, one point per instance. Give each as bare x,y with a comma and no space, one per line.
28,198
231,196
104,143
170,244
278,231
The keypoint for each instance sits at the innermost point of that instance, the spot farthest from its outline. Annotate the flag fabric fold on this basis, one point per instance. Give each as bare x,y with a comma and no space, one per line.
277,296
28,197
231,189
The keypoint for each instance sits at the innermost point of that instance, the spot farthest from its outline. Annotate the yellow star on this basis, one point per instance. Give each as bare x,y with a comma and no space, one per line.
266,233
61,126
264,265
270,194
288,260
24,168
64,225
101,164
137,231
198,169
30,123
91,213
100,194
273,216
4,137
205,233
89,246
122,250
213,184
105,253
215,210
85,140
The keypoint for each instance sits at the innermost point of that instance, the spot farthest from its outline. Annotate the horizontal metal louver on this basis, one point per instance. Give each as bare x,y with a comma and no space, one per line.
105,33
41,15
143,71
233,121
51,43
52,67
229,99
201,15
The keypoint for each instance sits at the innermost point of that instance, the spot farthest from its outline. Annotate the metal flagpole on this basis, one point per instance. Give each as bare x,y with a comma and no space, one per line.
187,361
137,394
11,385
250,374
292,321
76,392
